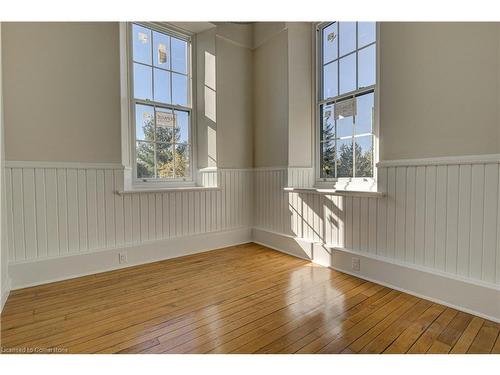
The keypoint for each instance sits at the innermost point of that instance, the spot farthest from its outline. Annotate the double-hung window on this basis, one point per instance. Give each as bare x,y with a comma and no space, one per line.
161,104
347,81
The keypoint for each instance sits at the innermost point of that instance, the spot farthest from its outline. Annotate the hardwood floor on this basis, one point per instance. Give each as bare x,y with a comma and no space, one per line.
243,299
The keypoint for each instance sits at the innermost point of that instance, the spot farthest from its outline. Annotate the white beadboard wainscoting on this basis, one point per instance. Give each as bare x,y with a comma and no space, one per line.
439,217
435,233
57,210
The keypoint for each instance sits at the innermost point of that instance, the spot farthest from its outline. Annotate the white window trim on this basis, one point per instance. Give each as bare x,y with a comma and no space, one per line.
128,131
343,183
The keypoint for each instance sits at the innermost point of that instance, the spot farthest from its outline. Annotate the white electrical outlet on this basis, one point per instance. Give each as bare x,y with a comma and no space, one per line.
122,258
356,264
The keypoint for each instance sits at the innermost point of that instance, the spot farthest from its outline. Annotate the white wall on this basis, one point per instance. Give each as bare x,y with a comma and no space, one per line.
300,94
62,91
283,94
270,61
62,88
439,89
235,96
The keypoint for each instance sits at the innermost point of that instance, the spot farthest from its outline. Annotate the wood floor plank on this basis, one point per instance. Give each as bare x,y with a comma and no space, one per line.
465,341
240,299
360,342
450,335
413,332
328,342
485,339
206,340
496,347
355,332
227,309
173,286
252,342
158,312
116,311
425,341
391,333
281,343
218,309
333,327
91,296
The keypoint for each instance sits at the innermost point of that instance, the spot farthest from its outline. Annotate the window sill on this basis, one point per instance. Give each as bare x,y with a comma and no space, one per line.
347,193
167,189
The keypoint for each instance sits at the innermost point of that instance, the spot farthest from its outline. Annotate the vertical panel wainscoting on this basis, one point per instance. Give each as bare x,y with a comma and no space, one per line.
439,217
58,211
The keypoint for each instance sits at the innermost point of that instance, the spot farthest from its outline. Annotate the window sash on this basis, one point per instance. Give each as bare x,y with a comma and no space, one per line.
321,101
189,178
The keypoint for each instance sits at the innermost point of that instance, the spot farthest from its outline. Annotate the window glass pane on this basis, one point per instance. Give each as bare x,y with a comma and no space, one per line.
141,44
145,160
344,158
161,50
367,66
328,159
345,126
179,89
366,33
164,160
165,122
179,55
364,113
162,86
347,37
327,116
330,40
330,80
144,122
181,163
181,127
347,80
364,156
143,82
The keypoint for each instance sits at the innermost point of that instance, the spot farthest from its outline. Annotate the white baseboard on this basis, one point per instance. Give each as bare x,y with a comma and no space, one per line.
469,296
26,273
4,293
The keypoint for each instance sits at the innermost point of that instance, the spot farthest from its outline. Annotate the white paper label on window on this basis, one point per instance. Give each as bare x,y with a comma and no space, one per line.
143,37
162,53
165,119
345,108
331,37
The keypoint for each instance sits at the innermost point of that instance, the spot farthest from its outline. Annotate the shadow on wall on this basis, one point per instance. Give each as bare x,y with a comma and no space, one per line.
319,219
316,217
